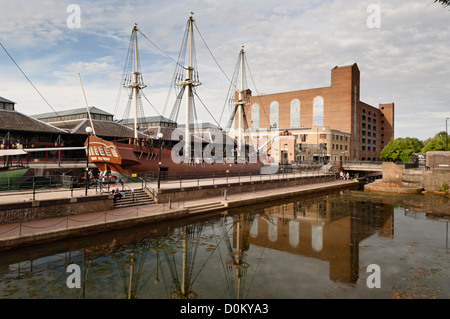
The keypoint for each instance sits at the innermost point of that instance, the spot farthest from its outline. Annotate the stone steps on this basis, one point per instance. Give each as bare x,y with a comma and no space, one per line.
140,198
206,207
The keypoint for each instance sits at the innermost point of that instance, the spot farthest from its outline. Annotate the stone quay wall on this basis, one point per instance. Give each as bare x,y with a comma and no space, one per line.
37,210
198,192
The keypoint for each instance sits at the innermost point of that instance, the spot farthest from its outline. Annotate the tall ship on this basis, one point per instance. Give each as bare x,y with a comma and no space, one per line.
178,151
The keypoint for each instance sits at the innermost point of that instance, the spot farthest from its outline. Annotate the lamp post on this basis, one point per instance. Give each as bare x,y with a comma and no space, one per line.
160,135
344,152
446,133
88,130
59,143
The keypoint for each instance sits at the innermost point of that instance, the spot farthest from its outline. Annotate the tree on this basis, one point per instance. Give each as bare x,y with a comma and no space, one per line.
445,3
401,149
437,143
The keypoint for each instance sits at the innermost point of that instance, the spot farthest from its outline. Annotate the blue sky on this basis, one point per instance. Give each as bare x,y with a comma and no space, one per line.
290,45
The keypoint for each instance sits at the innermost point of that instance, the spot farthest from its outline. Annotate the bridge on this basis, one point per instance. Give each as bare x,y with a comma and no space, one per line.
363,166
371,170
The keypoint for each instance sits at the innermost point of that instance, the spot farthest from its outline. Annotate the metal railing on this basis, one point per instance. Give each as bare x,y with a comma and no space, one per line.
37,182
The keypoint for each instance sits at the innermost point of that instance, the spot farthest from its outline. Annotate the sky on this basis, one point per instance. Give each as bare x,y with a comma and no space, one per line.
401,48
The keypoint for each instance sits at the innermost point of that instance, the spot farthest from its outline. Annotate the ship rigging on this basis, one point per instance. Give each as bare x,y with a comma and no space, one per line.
159,152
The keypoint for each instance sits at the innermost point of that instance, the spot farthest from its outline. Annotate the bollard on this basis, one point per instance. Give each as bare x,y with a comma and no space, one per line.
170,202
34,191
225,194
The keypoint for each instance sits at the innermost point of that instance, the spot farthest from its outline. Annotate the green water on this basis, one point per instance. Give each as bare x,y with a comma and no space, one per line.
312,247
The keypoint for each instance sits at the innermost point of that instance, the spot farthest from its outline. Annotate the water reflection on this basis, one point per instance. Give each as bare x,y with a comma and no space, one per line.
233,254
328,229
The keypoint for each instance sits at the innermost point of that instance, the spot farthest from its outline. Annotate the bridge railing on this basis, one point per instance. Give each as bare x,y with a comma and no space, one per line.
361,163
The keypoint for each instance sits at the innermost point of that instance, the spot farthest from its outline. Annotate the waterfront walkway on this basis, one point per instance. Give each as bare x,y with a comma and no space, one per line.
7,197
40,231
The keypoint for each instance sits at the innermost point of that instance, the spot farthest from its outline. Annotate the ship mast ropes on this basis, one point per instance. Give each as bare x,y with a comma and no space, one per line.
134,80
187,84
237,101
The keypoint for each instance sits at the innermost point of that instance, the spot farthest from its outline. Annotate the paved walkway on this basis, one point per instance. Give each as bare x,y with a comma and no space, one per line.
27,195
63,226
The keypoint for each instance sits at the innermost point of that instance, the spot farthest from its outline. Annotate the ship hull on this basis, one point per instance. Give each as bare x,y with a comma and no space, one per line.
128,158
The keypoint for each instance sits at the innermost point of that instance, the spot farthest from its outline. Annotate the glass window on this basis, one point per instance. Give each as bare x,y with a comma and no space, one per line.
274,116
255,117
318,105
295,113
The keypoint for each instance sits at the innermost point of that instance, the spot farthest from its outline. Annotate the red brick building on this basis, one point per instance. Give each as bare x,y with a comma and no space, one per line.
337,108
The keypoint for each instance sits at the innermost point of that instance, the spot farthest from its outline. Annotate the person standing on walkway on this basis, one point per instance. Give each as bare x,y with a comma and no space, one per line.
100,184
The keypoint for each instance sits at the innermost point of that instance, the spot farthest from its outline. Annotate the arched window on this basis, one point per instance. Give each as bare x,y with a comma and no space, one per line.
295,113
294,237
317,238
274,115
255,117
254,227
273,229
318,111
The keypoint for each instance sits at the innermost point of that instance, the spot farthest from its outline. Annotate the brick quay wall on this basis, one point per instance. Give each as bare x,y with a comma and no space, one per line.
36,210
201,192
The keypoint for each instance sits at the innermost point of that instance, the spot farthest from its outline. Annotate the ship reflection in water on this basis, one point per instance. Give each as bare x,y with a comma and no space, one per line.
315,247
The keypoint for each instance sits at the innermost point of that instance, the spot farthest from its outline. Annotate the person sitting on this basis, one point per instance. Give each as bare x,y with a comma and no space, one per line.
117,195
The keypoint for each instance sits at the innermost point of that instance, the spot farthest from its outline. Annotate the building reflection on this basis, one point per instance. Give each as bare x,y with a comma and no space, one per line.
326,229
162,260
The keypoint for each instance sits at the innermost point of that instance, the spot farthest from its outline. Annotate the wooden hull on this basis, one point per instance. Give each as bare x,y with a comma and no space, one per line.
128,158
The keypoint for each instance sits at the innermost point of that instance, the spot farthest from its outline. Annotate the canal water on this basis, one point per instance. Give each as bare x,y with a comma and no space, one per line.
350,245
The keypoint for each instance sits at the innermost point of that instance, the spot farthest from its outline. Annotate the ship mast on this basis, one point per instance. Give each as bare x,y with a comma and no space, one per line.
189,83
136,86
240,105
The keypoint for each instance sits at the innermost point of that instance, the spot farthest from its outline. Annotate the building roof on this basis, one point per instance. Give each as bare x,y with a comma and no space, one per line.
173,134
149,119
107,129
3,100
82,110
15,121
202,125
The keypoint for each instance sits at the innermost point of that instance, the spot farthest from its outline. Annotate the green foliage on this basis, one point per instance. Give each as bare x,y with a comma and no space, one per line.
437,143
443,188
445,3
401,149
